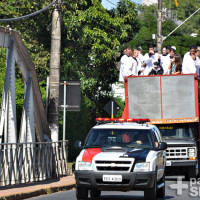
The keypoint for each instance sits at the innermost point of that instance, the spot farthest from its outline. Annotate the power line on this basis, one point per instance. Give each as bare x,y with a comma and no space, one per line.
29,15
111,3
133,1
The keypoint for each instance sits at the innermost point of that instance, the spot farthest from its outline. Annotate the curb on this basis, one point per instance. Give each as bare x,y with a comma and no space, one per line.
35,193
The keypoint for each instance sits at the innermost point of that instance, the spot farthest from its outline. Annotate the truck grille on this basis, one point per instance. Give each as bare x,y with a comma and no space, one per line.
176,153
114,165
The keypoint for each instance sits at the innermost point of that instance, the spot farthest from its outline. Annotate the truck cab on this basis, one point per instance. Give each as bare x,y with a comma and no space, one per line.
182,149
121,156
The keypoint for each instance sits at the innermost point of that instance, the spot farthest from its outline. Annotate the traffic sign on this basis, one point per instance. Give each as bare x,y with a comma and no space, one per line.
112,107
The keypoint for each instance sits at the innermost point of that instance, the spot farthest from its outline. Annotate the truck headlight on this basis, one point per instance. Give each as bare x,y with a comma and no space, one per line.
84,165
142,167
191,152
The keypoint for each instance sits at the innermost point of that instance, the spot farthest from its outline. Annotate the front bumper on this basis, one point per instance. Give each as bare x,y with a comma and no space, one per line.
181,163
130,180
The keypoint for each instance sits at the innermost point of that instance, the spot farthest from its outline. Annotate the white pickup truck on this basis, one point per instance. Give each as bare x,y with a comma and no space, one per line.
121,156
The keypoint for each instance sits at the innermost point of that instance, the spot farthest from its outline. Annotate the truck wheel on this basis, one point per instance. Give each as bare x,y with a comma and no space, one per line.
161,191
150,194
81,193
191,173
95,193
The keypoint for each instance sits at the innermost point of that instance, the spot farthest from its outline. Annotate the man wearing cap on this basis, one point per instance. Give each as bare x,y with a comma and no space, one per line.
156,70
126,64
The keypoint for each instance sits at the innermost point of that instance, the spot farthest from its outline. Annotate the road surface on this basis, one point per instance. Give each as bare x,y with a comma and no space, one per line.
184,190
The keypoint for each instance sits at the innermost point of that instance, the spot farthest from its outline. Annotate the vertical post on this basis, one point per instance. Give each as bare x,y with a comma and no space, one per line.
112,107
47,94
159,27
54,74
64,110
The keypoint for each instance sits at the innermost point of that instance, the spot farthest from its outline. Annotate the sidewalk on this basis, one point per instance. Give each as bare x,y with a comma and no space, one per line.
28,190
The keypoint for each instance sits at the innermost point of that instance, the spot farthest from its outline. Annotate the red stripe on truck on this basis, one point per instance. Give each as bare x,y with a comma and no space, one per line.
89,154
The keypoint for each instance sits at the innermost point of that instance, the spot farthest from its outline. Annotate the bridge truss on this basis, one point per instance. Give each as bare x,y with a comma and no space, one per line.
33,120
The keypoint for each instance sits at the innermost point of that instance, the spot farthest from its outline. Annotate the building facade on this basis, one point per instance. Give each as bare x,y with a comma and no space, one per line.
149,2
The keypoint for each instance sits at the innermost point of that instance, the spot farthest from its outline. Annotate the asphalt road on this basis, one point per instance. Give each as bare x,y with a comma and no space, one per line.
190,191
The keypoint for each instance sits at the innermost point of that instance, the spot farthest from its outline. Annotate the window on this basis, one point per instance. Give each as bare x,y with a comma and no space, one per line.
139,138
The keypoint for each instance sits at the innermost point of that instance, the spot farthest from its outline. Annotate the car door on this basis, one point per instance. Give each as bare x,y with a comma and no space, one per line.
160,156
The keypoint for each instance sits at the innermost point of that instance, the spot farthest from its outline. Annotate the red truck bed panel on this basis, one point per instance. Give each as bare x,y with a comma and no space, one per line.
161,97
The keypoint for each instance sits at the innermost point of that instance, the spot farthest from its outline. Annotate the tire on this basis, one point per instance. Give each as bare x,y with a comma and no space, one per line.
150,194
161,191
191,173
81,193
95,193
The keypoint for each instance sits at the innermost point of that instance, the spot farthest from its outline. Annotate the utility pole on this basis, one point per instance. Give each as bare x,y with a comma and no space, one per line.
54,73
159,27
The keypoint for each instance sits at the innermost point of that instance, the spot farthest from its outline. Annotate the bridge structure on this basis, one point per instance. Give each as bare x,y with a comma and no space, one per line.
28,154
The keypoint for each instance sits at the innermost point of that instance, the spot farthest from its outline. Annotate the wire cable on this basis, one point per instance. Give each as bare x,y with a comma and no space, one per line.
29,15
111,3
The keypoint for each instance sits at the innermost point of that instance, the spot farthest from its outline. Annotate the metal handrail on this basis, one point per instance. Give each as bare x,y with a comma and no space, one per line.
32,161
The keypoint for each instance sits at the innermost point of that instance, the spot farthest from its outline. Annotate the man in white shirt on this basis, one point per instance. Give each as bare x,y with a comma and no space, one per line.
190,62
140,60
126,64
149,59
165,60
135,63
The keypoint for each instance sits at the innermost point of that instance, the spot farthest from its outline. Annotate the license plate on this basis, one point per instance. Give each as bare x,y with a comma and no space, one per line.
112,178
168,163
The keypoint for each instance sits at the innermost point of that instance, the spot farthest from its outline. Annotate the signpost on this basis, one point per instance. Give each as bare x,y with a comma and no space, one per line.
112,108
70,98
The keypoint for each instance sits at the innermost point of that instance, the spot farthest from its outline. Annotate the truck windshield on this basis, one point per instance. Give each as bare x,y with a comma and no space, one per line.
176,131
133,138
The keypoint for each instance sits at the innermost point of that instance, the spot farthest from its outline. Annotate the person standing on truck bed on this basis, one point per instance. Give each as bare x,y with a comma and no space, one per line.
126,64
156,70
164,60
198,55
175,65
140,60
191,62
168,47
135,63
149,59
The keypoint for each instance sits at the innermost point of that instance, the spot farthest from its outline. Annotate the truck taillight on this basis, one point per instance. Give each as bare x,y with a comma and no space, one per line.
120,120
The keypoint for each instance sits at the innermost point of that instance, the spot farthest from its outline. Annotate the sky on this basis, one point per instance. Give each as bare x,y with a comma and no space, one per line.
111,3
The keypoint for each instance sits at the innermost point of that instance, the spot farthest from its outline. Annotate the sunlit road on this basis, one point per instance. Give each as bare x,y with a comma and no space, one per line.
188,192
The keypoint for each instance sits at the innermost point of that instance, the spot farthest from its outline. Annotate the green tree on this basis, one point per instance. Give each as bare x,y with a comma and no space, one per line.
184,10
91,38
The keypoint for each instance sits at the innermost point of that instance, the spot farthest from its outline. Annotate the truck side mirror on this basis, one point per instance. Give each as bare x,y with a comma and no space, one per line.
78,144
162,146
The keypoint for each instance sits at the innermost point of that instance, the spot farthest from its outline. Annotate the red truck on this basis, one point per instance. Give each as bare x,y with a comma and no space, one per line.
171,103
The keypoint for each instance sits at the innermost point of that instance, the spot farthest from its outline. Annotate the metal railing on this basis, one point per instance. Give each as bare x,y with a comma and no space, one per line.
29,162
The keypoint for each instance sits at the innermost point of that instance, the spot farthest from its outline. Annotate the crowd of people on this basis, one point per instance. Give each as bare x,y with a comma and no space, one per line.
133,63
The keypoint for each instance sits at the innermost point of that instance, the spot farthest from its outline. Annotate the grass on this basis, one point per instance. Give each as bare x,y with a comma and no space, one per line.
69,165
49,191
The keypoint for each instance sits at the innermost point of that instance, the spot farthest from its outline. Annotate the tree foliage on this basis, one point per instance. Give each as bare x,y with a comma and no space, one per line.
91,38
148,25
184,10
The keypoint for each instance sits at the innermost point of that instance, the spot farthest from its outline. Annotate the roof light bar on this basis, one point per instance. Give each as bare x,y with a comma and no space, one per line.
99,119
